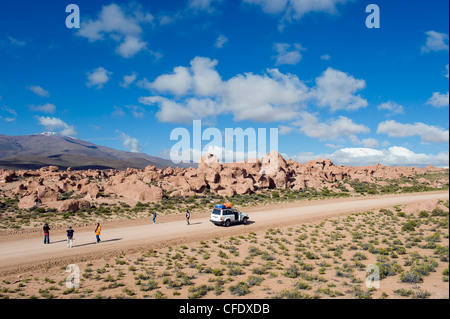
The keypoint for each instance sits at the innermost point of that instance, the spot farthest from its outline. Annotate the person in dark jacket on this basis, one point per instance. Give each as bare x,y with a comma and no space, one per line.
70,232
154,217
46,234
188,215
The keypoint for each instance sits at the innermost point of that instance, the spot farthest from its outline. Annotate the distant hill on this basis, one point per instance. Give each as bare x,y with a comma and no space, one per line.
39,150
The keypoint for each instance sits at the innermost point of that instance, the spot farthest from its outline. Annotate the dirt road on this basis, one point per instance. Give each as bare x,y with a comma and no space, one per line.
29,253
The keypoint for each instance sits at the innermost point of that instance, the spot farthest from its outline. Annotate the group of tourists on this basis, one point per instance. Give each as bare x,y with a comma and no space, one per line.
70,233
97,231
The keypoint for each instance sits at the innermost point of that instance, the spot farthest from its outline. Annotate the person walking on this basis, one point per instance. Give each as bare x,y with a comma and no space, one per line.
36,200
70,232
154,217
188,215
98,230
46,234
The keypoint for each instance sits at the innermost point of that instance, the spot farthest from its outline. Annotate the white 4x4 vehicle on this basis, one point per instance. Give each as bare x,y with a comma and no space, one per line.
226,216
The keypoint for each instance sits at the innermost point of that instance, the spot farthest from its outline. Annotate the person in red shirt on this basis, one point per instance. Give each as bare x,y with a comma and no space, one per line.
46,234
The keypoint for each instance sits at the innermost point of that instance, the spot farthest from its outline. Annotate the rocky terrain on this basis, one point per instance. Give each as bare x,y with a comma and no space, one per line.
74,190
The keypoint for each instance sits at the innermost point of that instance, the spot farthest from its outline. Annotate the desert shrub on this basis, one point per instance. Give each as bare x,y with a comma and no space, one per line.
302,285
291,294
259,270
421,294
403,292
255,280
235,271
386,212
241,289
292,271
310,255
359,256
411,277
254,251
389,269
439,212
199,291
409,226
423,214
435,238
445,274
360,294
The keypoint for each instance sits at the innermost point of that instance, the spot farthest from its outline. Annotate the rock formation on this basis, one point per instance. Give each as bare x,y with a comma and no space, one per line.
53,186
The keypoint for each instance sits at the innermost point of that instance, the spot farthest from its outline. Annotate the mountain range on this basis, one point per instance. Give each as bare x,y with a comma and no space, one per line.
45,149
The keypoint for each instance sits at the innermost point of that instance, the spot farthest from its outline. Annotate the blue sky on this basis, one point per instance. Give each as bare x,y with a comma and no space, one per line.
137,70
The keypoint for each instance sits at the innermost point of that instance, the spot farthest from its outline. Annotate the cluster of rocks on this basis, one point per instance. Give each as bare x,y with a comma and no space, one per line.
48,184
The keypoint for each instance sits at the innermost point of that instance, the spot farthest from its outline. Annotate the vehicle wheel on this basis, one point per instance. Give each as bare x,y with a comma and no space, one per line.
227,223
245,220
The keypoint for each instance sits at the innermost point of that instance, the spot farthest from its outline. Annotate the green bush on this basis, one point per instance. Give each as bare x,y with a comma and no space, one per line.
241,289
411,277
423,214
439,212
409,226
292,271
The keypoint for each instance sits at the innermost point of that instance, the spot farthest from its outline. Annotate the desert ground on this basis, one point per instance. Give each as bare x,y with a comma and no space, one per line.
307,249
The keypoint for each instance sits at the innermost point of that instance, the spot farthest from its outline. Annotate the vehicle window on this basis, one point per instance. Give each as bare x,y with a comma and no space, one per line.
216,211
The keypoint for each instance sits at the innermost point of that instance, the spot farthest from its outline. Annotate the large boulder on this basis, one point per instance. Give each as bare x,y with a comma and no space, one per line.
74,205
46,194
7,176
135,189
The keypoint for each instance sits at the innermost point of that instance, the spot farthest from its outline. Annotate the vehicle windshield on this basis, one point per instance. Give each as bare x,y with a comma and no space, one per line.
216,211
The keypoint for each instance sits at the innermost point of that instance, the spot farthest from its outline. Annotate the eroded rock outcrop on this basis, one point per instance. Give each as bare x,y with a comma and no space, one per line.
51,185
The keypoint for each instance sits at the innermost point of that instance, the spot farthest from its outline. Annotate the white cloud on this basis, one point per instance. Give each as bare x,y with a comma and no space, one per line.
337,90
435,42
203,5
130,46
137,111
122,25
221,41
184,112
179,82
296,9
439,100
325,57
288,54
273,96
206,80
368,142
45,108
310,125
392,108
128,80
39,91
52,123
117,112
12,114
446,74
427,133
285,130
98,77
393,156
130,143
17,43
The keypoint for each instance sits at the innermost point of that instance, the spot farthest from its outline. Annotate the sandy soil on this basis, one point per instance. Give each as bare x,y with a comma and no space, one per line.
25,252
